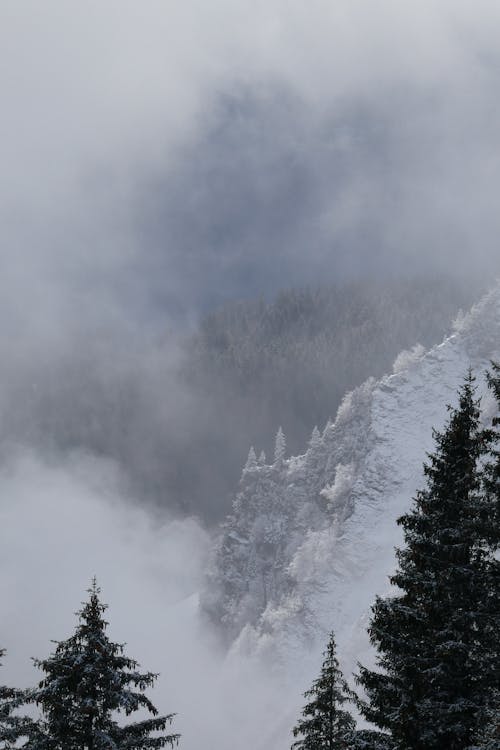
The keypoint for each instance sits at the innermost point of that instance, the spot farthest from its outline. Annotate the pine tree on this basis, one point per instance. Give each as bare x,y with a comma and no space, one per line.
326,725
12,727
436,640
88,679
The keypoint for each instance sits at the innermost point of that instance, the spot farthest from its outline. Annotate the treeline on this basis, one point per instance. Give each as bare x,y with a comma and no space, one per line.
87,681
178,412
436,685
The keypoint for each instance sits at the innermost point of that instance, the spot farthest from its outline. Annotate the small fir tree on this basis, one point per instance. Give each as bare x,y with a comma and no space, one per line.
279,447
88,679
326,725
437,639
315,438
251,460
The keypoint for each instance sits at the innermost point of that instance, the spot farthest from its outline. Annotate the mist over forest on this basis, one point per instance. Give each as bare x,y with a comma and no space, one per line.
180,428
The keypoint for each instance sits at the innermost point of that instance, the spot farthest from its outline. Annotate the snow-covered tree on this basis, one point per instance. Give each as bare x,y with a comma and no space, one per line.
249,558
251,460
88,680
315,438
315,456
437,639
279,447
12,726
326,725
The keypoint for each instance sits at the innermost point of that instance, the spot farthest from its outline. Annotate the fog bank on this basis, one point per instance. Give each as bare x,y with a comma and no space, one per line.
61,526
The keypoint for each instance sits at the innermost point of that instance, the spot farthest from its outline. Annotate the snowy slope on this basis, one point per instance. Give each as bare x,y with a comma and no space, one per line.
352,484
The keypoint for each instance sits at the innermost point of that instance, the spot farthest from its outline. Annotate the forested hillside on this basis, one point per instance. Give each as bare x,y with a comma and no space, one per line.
259,365
178,412
311,537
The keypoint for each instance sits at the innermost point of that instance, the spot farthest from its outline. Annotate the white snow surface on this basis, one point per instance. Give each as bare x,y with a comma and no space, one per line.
339,568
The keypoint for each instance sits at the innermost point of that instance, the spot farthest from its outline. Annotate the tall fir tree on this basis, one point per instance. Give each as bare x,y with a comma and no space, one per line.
325,724
437,639
12,726
88,680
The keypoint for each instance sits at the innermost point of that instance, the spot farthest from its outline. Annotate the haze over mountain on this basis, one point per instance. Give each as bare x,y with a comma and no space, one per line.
216,219
159,165
177,415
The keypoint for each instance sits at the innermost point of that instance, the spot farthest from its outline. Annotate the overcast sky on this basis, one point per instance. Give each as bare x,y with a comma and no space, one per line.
166,156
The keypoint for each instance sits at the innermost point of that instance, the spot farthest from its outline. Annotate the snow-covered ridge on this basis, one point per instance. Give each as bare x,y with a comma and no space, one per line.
311,539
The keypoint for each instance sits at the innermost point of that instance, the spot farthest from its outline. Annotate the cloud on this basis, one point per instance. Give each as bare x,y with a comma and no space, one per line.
63,524
263,142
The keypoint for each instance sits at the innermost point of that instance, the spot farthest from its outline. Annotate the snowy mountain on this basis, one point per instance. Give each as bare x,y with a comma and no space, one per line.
311,538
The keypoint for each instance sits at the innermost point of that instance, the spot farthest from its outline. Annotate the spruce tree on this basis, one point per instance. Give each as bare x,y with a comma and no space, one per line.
12,727
88,680
326,725
436,640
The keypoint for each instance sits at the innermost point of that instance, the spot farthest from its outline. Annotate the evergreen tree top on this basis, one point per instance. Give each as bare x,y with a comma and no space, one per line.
315,438
325,724
88,679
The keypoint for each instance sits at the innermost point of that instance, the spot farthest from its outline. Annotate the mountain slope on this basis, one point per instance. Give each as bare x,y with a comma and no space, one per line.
311,539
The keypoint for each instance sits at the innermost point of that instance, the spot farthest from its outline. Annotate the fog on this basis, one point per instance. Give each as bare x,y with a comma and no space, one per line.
160,160
157,160
66,523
